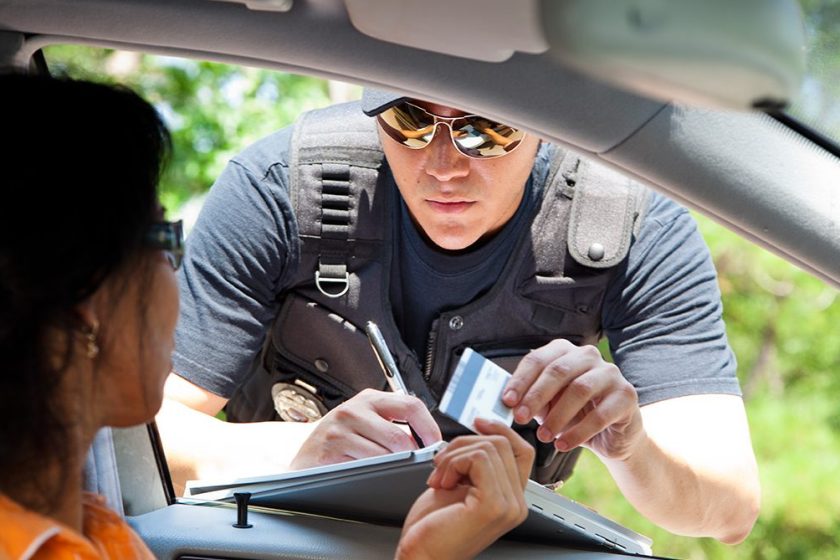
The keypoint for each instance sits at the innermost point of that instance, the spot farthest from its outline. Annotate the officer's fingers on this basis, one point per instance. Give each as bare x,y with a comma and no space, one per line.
617,407
394,406
364,421
355,446
529,369
553,379
523,452
590,386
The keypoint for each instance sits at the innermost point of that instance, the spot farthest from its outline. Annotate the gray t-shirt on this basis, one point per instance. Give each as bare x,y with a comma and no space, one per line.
662,310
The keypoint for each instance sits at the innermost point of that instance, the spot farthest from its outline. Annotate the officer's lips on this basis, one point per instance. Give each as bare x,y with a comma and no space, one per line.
450,206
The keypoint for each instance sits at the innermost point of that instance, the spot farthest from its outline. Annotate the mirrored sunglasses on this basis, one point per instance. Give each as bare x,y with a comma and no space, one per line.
474,136
169,238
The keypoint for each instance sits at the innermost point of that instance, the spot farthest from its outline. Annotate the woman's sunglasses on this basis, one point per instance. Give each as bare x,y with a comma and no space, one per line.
169,238
473,136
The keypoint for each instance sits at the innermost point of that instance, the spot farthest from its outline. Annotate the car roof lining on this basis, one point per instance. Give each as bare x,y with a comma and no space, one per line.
704,159
590,115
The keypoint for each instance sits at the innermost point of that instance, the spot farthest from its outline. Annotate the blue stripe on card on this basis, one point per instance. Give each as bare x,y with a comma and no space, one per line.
465,385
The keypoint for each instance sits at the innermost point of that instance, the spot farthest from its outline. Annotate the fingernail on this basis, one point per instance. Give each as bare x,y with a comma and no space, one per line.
510,396
544,434
561,445
432,481
522,413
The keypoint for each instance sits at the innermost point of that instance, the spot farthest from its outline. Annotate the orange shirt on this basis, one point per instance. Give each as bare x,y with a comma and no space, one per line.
26,535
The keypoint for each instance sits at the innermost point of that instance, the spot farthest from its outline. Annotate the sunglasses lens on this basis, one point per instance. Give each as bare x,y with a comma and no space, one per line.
409,125
474,136
481,138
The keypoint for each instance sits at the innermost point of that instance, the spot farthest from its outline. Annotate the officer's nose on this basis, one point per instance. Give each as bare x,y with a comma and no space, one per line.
444,162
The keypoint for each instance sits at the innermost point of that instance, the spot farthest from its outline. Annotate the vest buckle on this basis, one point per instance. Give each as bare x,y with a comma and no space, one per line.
326,280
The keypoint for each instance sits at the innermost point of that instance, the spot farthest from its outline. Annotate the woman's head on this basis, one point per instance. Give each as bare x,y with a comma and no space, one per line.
87,305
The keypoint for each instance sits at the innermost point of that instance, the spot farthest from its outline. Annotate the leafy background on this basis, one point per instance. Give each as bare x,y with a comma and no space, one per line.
781,322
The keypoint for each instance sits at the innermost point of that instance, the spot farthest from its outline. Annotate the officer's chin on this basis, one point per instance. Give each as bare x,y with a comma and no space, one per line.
454,244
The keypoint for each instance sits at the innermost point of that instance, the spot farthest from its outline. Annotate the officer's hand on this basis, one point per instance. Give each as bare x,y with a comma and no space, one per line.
578,398
475,495
363,427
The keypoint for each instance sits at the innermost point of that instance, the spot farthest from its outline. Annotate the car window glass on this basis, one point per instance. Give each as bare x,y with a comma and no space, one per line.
818,102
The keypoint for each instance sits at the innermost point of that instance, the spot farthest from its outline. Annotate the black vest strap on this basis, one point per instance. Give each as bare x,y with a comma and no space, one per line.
332,277
333,166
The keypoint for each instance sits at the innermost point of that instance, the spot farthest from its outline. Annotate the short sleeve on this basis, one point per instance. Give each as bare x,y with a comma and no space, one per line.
239,256
662,313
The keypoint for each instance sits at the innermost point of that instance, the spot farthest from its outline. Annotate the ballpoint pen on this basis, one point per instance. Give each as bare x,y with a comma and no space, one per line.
389,368
386,359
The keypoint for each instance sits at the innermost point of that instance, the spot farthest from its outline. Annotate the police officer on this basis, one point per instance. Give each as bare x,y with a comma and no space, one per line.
453,230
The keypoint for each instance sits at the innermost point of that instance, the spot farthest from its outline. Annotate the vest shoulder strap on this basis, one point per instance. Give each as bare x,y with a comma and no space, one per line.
333,171
607,210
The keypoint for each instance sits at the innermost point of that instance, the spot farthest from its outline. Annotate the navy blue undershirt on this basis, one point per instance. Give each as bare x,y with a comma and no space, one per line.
429,280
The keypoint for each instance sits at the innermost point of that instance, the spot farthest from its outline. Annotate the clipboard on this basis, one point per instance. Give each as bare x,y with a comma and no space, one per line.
382,490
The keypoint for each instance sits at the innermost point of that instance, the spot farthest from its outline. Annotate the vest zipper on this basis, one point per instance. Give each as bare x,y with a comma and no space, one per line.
430,353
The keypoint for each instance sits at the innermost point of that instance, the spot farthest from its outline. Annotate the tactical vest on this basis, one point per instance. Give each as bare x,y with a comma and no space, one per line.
317,354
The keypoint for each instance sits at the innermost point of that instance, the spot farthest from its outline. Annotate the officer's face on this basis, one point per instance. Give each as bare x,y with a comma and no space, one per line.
454,199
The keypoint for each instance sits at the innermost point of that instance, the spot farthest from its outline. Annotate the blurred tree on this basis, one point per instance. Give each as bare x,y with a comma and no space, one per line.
214,110
781,321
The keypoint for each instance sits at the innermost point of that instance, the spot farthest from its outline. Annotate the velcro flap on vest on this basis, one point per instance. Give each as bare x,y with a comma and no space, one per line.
604,211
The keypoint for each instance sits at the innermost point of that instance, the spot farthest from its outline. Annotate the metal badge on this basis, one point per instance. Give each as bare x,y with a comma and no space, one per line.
295,403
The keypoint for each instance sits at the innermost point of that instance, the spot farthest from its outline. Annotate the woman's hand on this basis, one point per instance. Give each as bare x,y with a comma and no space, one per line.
475,495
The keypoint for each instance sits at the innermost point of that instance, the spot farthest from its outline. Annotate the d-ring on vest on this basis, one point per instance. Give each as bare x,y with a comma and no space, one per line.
552,286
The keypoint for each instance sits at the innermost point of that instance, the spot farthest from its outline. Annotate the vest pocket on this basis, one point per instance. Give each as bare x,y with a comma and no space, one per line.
572,295
507,354
565,304
310,342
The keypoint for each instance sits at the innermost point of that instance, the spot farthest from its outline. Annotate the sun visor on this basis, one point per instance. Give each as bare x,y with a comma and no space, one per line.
487,30
718,53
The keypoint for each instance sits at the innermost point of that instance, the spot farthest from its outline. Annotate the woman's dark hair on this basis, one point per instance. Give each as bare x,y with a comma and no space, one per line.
80,166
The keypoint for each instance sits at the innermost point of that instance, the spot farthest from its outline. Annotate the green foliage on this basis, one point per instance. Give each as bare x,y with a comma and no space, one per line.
213,110
781,322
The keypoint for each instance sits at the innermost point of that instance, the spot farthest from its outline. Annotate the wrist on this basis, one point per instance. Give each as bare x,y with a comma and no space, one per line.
408,553
421,540
628,452
637,452
411,549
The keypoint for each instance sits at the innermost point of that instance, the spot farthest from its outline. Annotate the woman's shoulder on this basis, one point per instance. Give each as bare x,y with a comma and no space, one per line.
27,534
110,532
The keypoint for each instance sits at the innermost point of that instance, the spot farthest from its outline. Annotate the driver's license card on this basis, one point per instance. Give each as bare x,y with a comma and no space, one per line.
475,391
